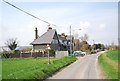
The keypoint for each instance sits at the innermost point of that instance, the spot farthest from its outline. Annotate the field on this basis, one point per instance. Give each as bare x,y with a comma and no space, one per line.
32,68
113,55
0,69
109,64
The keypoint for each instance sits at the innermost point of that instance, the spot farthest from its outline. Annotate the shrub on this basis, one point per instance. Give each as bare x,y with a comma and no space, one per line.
5,54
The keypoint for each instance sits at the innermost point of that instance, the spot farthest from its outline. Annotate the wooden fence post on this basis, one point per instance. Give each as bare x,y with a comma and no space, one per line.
20,55
31,53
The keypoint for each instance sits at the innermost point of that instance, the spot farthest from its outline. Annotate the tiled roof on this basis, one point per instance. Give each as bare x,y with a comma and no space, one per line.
46,38
62,38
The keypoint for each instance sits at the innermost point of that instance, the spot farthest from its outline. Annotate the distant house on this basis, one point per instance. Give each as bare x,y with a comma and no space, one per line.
63,42
4,48
56,42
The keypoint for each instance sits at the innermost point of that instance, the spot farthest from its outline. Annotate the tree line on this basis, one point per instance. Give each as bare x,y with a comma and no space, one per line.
83,45
80,44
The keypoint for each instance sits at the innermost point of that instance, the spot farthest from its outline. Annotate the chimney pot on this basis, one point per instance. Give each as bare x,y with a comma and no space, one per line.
50,28
36,33
63,34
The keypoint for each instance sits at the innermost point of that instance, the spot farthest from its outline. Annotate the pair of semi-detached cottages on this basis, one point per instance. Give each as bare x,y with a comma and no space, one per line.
58,42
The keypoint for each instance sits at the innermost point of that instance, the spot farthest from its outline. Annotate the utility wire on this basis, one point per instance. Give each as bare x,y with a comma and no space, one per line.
28,13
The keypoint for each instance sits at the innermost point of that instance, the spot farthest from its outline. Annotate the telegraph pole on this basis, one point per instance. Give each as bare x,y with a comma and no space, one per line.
70,41
93,42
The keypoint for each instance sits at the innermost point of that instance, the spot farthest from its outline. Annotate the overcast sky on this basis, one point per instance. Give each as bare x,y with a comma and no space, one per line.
97,19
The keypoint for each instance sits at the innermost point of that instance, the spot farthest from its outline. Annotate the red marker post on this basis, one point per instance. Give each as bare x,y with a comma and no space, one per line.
48,48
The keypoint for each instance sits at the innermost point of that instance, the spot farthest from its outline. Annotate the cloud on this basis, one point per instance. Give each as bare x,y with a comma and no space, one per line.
51,13
102,26
84,24
75,15
42,27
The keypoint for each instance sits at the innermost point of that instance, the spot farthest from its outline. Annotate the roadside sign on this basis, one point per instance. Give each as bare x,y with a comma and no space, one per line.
48,47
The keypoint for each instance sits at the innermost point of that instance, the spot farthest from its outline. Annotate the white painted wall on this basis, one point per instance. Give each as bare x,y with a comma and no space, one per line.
61,53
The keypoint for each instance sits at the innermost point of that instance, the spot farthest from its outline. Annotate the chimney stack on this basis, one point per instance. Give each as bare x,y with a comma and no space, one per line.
50,28
36,33
63,34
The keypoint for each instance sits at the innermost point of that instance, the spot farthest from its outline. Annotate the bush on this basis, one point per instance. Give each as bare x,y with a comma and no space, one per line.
93,51
5,54
52,52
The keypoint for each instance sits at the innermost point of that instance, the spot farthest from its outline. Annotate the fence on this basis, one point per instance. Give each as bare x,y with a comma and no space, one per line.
26,55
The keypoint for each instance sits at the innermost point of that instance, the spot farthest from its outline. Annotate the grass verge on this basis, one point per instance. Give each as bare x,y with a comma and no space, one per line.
109,64
113,55
32,68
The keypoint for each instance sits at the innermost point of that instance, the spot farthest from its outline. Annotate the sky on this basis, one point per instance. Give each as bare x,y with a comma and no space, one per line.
99,20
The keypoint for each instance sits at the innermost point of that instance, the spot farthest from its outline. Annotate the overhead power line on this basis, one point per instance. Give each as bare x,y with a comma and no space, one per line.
28,13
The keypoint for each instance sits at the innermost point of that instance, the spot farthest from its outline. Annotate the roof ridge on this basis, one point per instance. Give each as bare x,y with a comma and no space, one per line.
45,33
43,37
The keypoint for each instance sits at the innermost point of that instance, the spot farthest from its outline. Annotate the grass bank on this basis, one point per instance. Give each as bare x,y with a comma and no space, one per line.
32,68
113,55
109,64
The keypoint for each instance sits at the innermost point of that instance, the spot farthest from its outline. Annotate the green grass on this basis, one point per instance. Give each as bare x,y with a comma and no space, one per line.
32,68
109,70
0,69
113,54
105,61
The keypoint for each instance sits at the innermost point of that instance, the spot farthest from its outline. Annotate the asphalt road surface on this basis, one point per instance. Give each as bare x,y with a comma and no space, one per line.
84,68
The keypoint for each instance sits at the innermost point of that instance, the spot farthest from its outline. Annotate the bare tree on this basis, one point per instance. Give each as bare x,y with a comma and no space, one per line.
12,43
112,46
76,36
84,38
76,44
